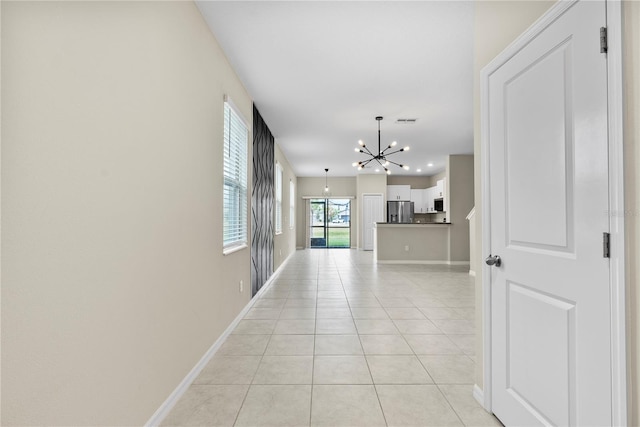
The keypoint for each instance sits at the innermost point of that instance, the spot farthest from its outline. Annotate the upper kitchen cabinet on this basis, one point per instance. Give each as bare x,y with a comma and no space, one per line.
399,192
440,188
417,197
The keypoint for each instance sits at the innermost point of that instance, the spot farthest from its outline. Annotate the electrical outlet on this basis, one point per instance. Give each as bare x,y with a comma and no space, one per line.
406,248
241,285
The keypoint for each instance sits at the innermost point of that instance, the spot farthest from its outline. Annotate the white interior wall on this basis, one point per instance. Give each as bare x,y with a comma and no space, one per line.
285,244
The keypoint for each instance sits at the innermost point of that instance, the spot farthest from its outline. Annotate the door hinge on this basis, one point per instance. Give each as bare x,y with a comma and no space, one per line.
603,40
606,245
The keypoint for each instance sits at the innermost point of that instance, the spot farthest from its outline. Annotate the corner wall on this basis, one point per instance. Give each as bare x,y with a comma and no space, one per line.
113,280
285,243
460,201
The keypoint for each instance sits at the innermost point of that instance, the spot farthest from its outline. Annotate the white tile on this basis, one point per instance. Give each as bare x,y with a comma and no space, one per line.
298,313
290,345
207,405
269,303
284,370
276,405
398,370
452,326
468,409
405,313
385,344
416,405
333,313
376,327
341,370
335,326
229,370
338,345
254,327
244,345
263,313
369,313
432,344
294,327
346,405
450,369
416,327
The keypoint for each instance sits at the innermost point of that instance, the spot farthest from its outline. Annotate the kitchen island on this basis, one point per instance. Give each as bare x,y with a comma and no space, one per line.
416,243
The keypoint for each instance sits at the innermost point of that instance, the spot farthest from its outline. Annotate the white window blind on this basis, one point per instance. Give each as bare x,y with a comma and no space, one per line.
278,198
235,179
292,204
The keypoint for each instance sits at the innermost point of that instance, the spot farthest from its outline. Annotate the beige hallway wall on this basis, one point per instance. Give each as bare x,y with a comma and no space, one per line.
114,284
284,244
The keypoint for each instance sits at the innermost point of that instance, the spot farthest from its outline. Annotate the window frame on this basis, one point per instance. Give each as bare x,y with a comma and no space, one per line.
292,205
278,198
235,192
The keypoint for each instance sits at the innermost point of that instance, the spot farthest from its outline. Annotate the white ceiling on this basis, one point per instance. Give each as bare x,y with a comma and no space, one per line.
320,71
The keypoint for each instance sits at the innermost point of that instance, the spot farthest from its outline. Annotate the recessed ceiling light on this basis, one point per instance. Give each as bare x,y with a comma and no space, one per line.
430,164
377,170
418,170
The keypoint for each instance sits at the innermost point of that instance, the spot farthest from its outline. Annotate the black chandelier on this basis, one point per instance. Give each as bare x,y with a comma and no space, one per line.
381,156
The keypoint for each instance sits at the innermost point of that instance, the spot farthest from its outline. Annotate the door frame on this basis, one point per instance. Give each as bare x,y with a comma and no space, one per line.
615,112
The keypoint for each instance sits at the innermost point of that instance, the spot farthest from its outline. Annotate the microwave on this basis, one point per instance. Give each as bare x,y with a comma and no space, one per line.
438,205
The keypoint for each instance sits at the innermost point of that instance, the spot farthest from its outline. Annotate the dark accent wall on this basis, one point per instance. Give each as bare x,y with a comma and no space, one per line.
262,203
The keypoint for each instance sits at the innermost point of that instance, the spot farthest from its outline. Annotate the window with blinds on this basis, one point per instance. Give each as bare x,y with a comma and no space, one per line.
278,198
292,205
235,179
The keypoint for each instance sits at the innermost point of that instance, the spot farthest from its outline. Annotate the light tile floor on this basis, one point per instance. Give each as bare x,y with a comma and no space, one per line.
336,340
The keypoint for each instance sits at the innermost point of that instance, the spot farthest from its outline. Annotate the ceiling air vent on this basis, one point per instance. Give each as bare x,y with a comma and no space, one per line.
406,121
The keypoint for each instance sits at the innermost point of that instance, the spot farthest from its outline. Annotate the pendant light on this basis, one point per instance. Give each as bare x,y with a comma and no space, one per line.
326,182
381,155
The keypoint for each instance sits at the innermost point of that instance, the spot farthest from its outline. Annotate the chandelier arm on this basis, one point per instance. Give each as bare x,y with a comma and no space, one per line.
394,152
397,164
380,163
366,162
368,152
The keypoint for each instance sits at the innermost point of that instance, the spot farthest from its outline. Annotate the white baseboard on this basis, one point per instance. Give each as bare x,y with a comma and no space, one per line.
166,407
478,394
472,273
413,261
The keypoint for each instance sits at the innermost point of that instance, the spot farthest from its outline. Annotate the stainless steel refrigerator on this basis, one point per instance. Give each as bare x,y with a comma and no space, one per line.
399,212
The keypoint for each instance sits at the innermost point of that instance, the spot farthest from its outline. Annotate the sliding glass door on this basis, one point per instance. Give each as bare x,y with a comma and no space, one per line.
330,223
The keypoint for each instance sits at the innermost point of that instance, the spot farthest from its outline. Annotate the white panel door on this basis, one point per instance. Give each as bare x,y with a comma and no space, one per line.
548,197
372,212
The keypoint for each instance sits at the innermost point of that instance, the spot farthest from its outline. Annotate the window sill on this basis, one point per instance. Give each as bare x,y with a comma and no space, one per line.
232,249
278,233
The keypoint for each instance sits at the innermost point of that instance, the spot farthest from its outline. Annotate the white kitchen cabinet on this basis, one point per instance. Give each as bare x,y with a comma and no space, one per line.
429,194
440,188
417,197
399,192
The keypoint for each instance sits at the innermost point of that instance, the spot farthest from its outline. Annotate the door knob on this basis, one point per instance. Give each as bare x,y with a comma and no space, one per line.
493,260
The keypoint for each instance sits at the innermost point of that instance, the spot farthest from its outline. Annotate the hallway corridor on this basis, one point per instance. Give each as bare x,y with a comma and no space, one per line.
336,340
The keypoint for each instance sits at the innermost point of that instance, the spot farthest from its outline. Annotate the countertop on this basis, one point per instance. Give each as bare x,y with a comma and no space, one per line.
395,224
